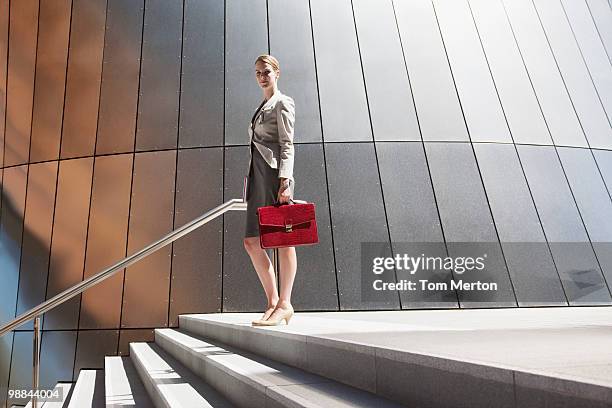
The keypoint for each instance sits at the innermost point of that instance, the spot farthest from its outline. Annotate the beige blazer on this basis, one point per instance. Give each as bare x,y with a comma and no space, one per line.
272,133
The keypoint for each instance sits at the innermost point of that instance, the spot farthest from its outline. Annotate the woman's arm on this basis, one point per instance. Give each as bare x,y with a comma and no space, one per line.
286,120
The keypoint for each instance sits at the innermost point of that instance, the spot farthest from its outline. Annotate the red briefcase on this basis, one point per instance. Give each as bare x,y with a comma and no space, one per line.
287,225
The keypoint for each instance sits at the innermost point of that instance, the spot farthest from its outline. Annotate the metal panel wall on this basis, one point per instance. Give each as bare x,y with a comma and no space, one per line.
4,42
466,218
69,239
479,100
202,83
604,163
21,365
533,272
602,16
11,233
92,346
592,50
23,27
246,37
545,77
414,223
6,346
119,88
358,215
291,43
147,283
344,109
575,74
315,285
106,240
386,78
593,202
565,232
520,104
38,224
158,104
83,78
242,290
196,260
435,96
51,60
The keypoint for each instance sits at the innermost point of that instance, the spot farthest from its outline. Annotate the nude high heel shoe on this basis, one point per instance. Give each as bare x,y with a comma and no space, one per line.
285,315
257,321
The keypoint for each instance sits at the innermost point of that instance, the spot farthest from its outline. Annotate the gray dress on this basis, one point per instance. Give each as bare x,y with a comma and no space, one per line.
262,188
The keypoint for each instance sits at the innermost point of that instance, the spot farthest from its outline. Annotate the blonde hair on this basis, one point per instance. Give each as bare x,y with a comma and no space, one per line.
268,59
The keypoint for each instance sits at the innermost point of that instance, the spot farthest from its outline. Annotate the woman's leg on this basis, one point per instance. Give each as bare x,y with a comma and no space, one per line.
288,266
263,267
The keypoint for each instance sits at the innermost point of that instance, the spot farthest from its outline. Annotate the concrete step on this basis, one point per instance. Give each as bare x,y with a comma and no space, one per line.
428,358
252,381
122,384
168,383
64,390
88,391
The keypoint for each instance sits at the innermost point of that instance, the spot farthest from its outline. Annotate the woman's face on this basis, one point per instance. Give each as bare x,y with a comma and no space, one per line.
265,74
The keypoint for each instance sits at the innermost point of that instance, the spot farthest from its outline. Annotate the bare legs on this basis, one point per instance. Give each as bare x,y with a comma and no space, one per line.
265,271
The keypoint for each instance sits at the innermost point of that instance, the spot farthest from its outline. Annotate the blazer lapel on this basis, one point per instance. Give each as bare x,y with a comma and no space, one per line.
270,102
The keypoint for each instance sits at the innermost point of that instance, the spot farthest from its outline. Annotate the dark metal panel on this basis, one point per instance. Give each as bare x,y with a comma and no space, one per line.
593,201
246,37
467,222
6,345
160,75
414,223
56,360
358,216
291,42
575,74
544,73
83,78
11,233
479,100
242,290
146,287
602,16
51,60
119,89
344,108
57,351
196,261
315,281
23,27
604,162
435,96
21,365
38,224
4,42
92,347
138,335
106,240
69,239
511,78
534,276
592,50
202,91
570,246
386,78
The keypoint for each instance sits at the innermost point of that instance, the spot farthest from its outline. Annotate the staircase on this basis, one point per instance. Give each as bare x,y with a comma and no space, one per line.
438,359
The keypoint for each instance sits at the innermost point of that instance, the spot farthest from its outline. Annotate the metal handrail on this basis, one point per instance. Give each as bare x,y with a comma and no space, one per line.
35,313
233,204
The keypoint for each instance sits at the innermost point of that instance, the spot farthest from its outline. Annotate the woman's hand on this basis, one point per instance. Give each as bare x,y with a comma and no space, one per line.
284,192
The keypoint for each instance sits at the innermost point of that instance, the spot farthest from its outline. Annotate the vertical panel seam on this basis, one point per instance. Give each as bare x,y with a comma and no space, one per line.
127,238
223,148
331,228
365,91
597,30
178,132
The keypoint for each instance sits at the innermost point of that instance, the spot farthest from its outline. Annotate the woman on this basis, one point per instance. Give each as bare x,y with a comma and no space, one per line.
270,180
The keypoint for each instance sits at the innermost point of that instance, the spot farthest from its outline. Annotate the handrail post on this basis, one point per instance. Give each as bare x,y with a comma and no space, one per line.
36,362
275,264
